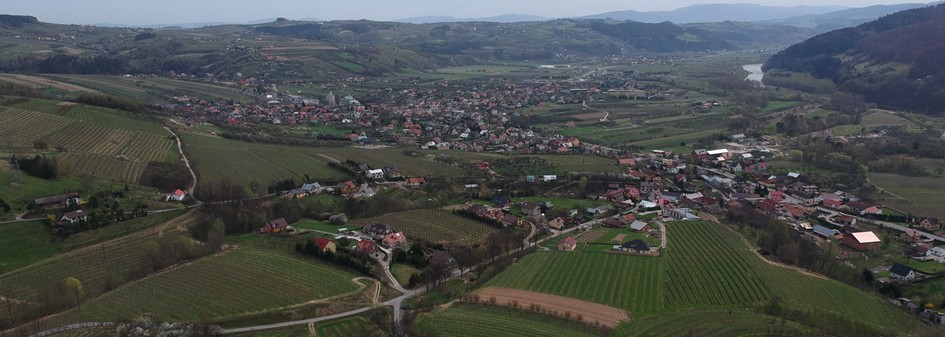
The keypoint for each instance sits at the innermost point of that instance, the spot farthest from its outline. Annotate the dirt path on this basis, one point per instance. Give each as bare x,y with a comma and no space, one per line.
35,81
569,308
330,158
311,330
193,175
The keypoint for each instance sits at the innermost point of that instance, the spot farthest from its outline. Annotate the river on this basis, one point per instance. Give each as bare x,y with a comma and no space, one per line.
756,74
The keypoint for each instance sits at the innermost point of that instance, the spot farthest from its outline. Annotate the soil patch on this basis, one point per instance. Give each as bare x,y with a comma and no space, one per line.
565,307
619,238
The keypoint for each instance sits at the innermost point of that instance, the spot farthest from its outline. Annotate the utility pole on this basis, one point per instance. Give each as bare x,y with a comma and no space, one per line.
16,179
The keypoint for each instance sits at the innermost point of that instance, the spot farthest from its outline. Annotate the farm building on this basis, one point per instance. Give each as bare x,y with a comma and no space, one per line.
862,241
274,226
901,272
57,201
393,240
825,232
639,226
636,246
612,223
567,244
324,245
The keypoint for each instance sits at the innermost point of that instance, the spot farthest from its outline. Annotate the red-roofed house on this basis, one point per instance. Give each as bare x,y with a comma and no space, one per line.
396,239
416,182
178,195
325,245
872,210
567,244
833,203
367,246
630,162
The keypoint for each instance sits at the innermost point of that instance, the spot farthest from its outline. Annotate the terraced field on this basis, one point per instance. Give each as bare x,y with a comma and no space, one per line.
434,225
633,283
706,266
463,320
98,142
241,281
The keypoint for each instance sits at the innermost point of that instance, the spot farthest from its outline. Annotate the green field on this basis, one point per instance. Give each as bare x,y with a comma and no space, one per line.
216,158
705,266
922,195
229,284
22,243
479,320
403,272
434,225
712,323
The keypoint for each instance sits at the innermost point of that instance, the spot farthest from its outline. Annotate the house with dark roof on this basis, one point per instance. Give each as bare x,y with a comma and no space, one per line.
901,272
531,208
377,229
74,216
57,201
637,246
274,226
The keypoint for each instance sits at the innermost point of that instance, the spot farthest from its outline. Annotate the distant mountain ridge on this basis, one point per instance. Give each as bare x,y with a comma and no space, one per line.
894,61
717,13
505,18
850,17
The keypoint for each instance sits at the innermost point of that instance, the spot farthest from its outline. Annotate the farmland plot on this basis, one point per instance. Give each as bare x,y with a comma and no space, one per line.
478,320
28,126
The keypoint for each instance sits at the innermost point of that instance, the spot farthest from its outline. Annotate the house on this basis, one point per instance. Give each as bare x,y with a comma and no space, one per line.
178,195
375,174
636,246
512,220
862,241
612,223
367,245
846,220
324,245
639,226
567,244
873,210
937,252
929,224
833,203
628,162
531,209
683,214
394,240
348,187
825,232
901,272
274,226
501,201
310,187
416,182
377,229
74,216
556,223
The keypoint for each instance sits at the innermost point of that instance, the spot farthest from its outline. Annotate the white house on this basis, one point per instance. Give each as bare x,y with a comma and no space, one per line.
375,174
901,272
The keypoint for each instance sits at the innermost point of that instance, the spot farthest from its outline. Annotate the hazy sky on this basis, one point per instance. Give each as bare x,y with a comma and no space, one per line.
138,12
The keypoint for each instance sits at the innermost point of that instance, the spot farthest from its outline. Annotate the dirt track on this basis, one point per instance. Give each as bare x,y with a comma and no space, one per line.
556,305
35,81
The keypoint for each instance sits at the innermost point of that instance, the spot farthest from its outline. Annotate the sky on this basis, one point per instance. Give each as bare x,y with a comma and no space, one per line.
155,12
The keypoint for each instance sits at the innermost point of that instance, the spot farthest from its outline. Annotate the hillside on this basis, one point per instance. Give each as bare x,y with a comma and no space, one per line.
287,49
717,13
893,61
850,17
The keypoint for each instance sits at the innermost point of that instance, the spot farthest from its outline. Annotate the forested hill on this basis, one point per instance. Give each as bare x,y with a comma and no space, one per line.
305,49
894,61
